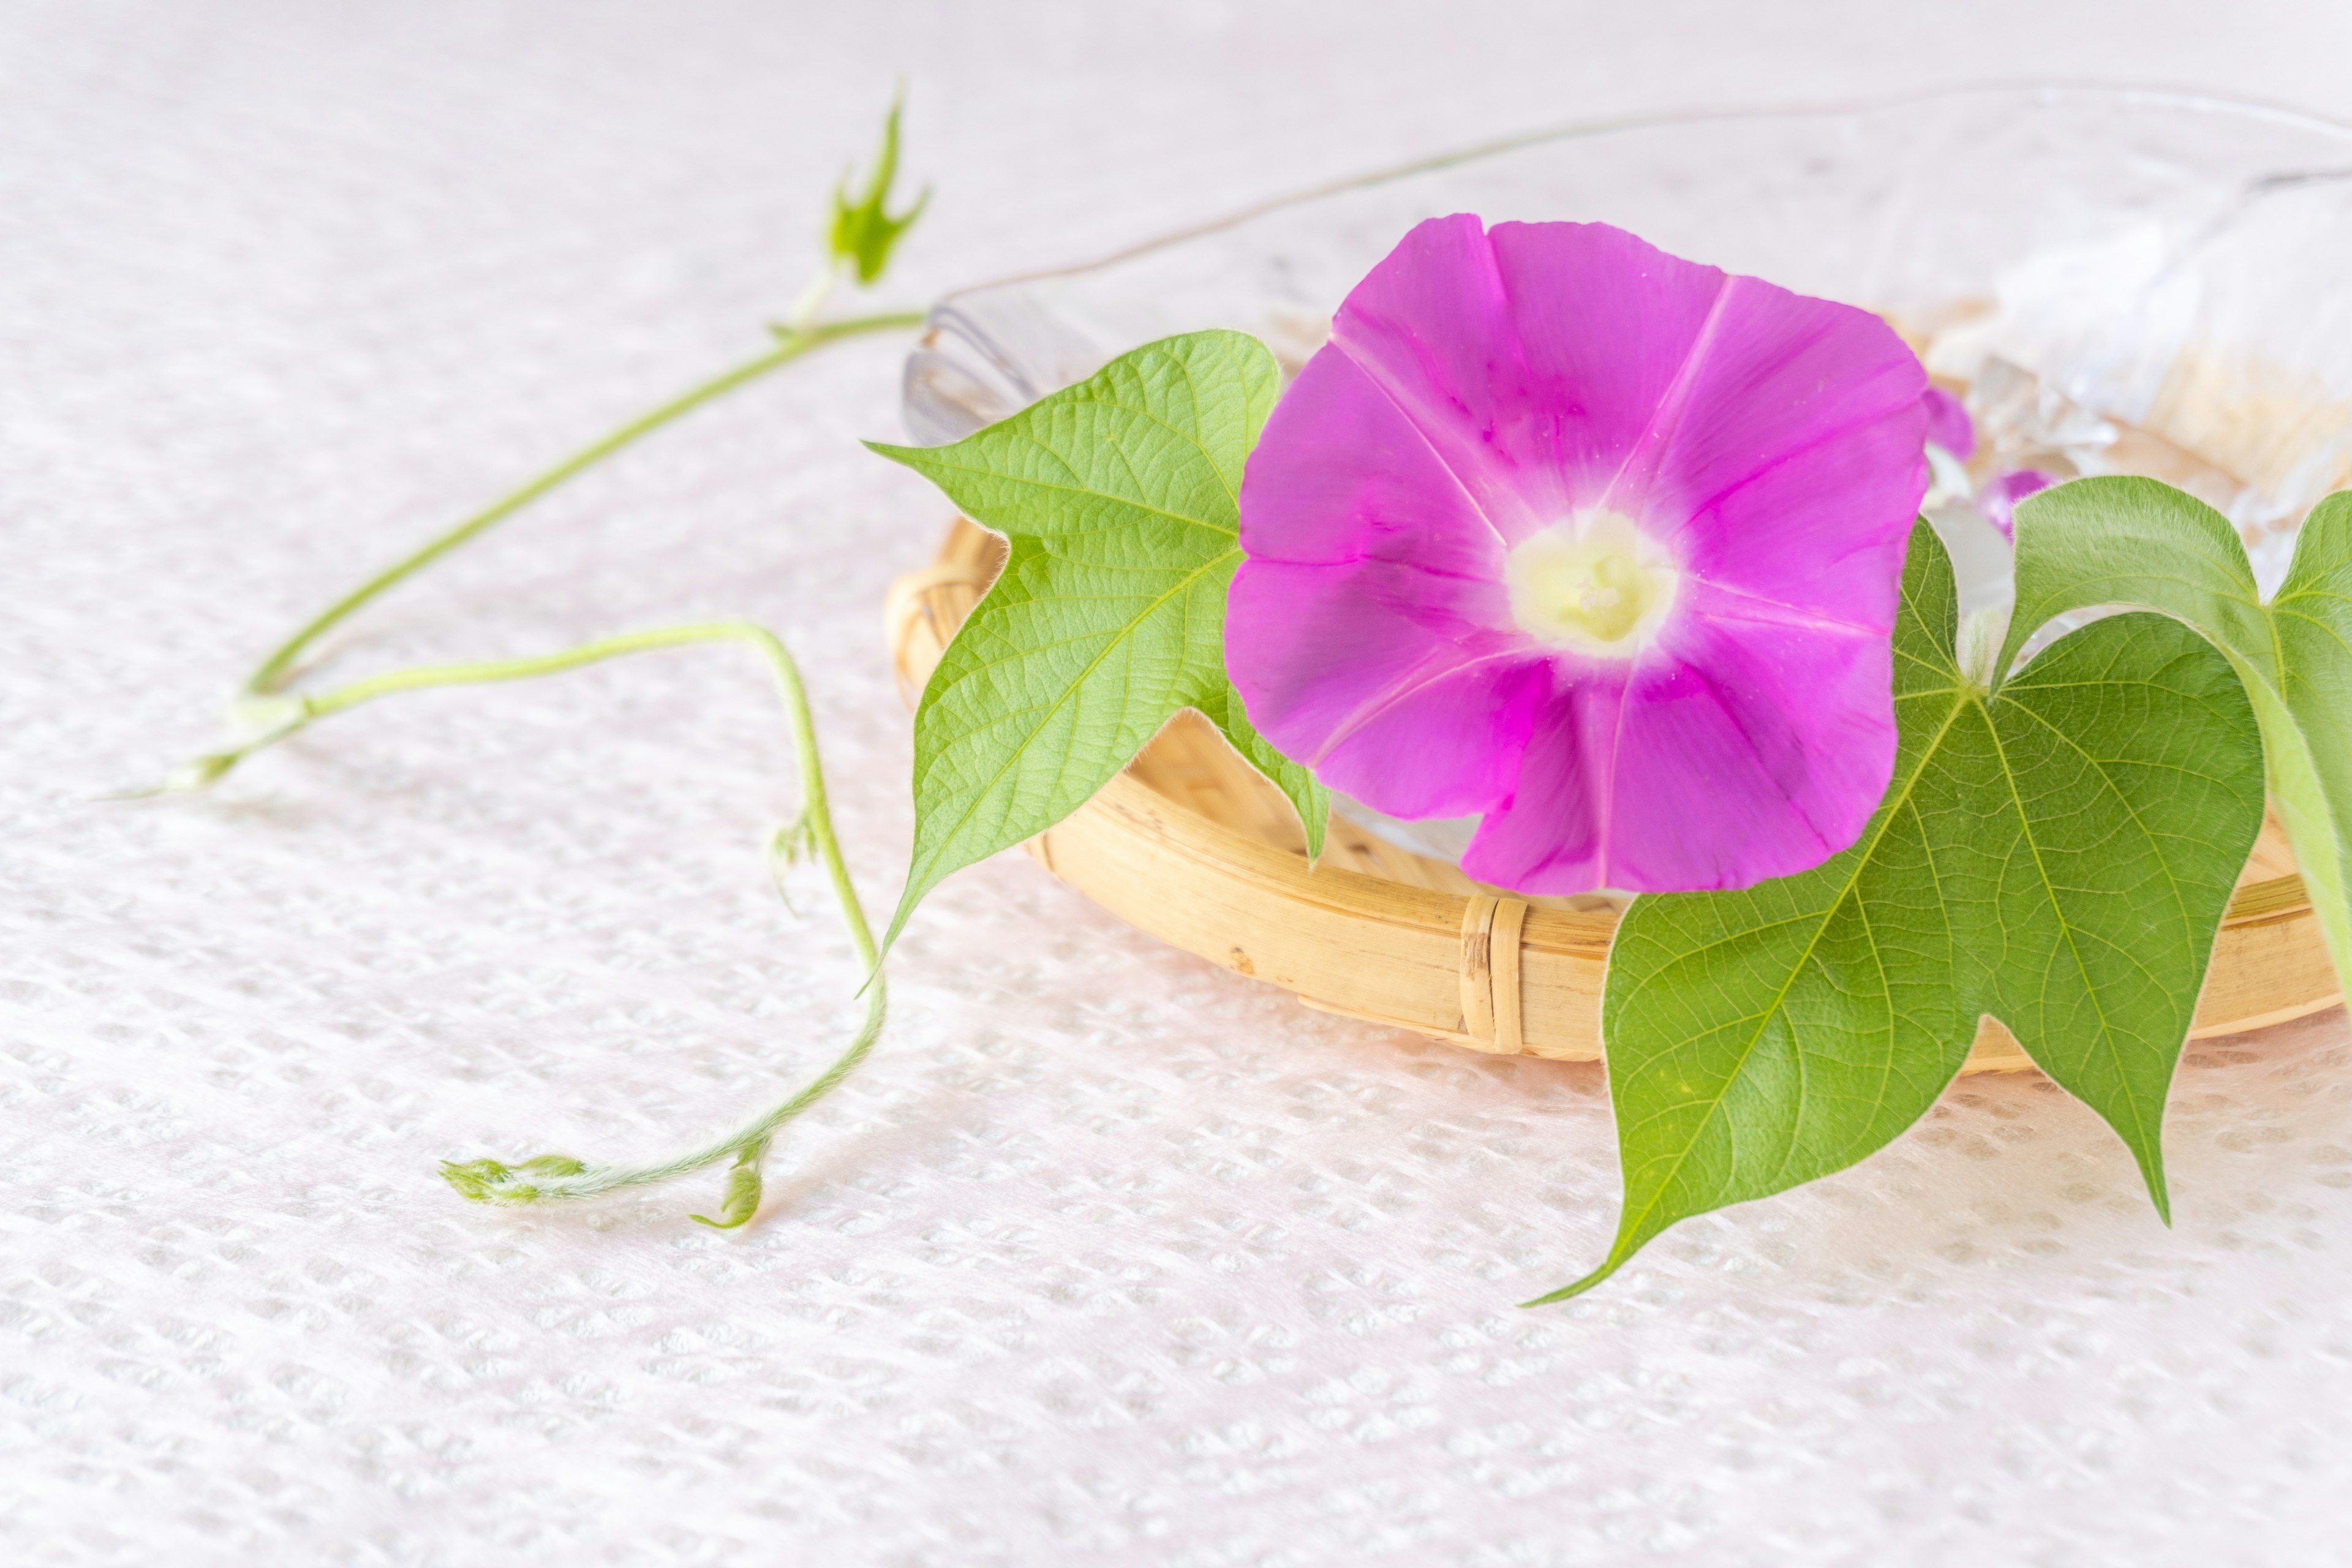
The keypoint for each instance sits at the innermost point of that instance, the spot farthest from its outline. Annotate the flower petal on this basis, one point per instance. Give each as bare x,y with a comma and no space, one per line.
1798,444
1551,833
1685,772
1822,530
1342,475
1948,424
1606,326
1777,733
1433,327
1998,504
1353,671
1370,599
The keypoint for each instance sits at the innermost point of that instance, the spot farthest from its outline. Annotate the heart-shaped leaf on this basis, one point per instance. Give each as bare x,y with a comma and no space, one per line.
2134,541
1116,496
2056,853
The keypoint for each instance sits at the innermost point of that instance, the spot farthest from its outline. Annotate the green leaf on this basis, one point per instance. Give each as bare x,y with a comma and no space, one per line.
1308,797
865,231
1118,498
2056,854
2134,541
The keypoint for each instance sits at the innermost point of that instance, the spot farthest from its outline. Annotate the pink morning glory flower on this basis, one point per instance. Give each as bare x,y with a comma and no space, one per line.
1598,544
1998,504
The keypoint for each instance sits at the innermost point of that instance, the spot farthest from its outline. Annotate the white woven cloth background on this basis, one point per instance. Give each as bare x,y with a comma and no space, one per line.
1107,1257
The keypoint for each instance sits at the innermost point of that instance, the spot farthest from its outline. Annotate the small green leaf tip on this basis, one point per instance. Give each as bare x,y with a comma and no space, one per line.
742,1197
1567,1291
489,1181
864,234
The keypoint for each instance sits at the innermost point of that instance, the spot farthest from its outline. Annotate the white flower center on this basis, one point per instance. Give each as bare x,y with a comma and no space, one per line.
1597,586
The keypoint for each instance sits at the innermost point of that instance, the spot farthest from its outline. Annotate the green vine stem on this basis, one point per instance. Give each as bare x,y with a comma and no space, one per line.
271,676
554,1177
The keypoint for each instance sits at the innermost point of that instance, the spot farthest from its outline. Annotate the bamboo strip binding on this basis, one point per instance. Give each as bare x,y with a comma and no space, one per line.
1190,845
1492,930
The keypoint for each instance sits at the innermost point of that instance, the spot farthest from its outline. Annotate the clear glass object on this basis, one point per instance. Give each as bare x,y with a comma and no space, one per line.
2116,280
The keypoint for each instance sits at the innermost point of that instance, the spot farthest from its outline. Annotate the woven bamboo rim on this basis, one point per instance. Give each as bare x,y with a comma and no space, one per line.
1191,846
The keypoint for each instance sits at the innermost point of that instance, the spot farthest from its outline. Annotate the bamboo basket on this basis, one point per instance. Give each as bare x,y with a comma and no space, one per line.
1190,844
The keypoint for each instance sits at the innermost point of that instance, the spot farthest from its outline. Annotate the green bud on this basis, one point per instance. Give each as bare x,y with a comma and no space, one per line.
742,1197
489,1181
864,232
477,1180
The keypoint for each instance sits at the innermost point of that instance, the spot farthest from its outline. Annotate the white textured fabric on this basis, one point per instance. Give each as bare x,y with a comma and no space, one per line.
1107,1257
